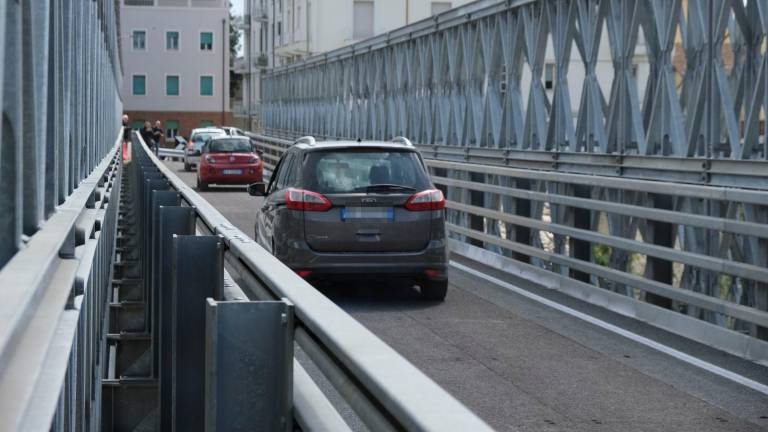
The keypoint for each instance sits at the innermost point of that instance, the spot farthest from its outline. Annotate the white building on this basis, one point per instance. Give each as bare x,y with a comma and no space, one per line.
284,31
175,56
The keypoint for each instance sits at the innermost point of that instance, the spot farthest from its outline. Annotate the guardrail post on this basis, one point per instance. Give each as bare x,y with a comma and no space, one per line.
179,221
663,234
249,366
197,273
582,218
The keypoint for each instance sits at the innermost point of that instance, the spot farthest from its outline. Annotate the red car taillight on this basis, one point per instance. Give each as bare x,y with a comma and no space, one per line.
300,199
431,199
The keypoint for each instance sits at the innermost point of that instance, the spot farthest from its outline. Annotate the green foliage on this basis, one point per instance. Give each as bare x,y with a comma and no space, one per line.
602,254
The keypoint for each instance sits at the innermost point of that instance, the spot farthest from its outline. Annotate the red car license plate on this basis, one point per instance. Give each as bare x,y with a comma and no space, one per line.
232,172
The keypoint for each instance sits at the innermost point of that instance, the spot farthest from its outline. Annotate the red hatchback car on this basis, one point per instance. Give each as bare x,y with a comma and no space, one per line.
228,160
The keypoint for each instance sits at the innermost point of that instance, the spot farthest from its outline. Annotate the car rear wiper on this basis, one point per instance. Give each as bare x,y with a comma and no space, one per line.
385,188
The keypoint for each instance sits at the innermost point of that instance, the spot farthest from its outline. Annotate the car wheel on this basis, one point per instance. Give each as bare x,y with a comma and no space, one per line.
203,186
187,167
434,290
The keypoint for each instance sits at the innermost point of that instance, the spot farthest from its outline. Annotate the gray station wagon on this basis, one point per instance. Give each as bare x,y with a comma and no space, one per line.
345,208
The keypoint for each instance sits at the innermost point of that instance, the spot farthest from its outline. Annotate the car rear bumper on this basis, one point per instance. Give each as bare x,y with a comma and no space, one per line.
214,174
430,263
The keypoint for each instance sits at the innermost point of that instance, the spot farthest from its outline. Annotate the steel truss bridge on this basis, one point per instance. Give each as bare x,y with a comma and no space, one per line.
131,302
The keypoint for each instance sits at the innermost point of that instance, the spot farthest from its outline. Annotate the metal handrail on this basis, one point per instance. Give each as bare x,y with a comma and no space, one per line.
46,287
385,389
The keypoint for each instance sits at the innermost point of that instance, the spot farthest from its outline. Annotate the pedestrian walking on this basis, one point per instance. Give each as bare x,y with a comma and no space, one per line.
127,132
149,136
157,134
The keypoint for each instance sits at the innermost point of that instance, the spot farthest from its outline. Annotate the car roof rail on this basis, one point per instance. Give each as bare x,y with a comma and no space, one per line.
402,140
309,140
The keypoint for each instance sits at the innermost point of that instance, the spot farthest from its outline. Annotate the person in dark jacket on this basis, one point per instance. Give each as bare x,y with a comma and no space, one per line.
149,136
127,132
157,134
126,128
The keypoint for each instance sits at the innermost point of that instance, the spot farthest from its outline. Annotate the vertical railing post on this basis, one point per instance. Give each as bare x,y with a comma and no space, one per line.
241,338
173,221
197,273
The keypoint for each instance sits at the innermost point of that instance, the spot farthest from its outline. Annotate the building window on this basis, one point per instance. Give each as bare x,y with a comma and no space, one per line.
139,40
440,7
171,128
172,41
139,85
363,16
138,124
172,85
206,41
549,76
206,85
206,123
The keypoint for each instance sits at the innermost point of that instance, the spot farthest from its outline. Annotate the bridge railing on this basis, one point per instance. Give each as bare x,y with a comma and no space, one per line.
689,258
384,389
55,294
59,188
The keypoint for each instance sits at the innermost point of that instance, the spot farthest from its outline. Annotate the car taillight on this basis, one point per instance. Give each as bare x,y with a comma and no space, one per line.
253,160
300,199
209,159
431,199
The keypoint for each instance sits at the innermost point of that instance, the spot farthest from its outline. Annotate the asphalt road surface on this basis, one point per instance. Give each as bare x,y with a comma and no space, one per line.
523,365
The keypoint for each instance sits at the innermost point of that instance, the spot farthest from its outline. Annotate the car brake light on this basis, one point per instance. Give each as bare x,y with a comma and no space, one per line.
431,199
300,199
304,273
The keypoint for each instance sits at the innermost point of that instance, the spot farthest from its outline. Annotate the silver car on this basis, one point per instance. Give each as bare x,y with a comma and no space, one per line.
340,208
195,145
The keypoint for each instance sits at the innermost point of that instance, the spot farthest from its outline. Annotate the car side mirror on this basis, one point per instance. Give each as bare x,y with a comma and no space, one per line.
257,189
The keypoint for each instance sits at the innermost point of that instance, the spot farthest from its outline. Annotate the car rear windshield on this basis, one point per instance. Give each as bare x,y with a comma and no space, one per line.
362,170
230,146
203,136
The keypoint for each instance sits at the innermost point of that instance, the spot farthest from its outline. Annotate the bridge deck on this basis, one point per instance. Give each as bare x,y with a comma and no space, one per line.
522,365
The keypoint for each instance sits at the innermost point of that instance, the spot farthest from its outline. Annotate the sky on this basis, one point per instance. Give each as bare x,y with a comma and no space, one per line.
237,6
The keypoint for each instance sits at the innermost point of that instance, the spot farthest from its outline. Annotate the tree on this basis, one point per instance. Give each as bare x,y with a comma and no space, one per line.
234,34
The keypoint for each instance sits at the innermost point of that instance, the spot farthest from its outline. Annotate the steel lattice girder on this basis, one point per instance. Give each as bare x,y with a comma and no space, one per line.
474,77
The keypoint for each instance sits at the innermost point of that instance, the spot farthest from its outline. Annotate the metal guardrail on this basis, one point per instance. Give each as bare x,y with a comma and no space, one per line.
59,185
170,153
55,294
599,238
384,389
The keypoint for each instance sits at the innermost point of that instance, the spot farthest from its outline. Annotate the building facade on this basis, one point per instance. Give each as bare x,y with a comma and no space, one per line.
279,32
175,56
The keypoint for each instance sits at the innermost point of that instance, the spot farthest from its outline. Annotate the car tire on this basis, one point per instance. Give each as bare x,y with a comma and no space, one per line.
203,186
187,167
434,290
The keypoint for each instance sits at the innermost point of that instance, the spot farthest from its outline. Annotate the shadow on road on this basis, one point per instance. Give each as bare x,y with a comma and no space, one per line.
374,295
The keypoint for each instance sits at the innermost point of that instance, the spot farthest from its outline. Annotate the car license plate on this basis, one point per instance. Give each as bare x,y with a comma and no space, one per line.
386,214
231,171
